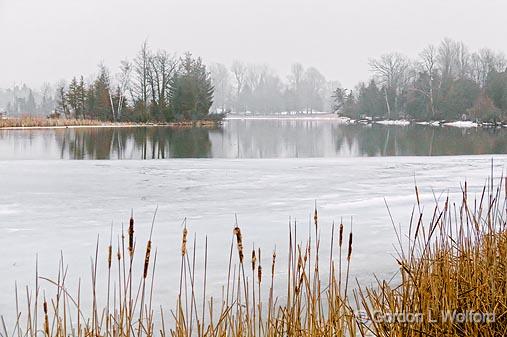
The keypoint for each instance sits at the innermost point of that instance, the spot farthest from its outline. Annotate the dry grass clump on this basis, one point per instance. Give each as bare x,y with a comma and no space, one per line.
453,273
455,265
41,122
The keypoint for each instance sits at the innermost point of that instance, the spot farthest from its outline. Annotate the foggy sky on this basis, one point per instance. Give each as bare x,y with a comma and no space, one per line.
56,39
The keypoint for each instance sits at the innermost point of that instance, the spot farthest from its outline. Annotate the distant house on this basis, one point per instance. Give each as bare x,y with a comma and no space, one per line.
3,115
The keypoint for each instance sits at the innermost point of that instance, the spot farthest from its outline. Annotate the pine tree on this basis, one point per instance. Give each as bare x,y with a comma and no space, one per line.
191,90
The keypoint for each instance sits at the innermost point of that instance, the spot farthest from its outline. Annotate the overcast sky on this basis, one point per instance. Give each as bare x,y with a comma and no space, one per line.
47,40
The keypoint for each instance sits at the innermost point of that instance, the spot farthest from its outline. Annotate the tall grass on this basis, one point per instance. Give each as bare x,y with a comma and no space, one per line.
41,122
454,264
453,272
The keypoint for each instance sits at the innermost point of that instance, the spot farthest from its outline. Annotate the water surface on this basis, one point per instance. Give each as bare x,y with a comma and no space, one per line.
251,139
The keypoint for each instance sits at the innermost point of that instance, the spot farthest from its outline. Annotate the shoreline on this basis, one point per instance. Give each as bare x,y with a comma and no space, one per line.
321,117
175,125
369,120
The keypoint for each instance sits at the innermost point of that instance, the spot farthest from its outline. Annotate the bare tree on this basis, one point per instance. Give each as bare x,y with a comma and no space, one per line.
123,85
485,61
391,71
428,64
162,67
220,78
141,69
314,86
295,85
238,70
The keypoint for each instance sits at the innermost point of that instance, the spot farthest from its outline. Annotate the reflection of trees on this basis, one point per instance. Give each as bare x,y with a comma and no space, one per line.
424,141
324,138
133,143
252,139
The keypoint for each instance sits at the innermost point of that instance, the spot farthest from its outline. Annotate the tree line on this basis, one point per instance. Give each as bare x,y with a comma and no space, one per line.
256,88
154,86
446,81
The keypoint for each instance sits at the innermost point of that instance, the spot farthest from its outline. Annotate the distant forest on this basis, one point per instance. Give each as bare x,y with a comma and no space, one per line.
446,81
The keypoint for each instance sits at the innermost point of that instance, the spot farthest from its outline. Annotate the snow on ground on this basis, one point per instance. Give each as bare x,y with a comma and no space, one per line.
400,122
462,124
432,123
49,207
317,116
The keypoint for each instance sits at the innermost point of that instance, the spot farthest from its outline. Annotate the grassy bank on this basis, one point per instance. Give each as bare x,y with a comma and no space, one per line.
41,122
454,262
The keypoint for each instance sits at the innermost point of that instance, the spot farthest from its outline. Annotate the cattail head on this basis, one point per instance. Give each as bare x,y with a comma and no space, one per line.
131,236
239,240
315,216
46,318
341,234
349,254
118,254
273,263
254,259
147,259
259,274
109,256
184,241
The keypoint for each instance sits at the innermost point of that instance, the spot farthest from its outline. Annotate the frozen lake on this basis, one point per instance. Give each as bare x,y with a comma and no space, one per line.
51,206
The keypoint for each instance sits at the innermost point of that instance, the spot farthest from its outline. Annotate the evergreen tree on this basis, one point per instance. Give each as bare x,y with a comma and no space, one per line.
190,90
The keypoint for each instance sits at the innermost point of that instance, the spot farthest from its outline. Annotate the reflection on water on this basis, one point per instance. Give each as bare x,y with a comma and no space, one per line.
250,139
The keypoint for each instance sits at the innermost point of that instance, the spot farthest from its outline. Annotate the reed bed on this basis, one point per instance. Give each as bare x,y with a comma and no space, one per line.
41,122
453,272
455,264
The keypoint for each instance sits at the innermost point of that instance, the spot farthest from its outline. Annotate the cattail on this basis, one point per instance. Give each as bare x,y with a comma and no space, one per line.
239,240
341,234
259,273
315,216
184,242
118,254
109,256
273,263
46,318
131,236
147,259
350,247
254,259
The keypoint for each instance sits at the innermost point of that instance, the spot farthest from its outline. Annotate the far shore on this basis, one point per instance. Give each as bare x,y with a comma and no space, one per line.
34,123
47,123
321,116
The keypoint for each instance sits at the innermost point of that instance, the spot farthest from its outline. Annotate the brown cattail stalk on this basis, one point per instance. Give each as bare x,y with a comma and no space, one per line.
254,259
315,217
109,256
239,240
349,254
273,263
46,318
184,242
131,237
147,259
341,234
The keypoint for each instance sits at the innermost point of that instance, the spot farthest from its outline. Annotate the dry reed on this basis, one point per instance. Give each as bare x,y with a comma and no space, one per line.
455,263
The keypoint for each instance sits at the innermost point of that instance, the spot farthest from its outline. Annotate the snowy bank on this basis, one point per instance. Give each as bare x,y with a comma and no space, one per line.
292,117
462,124
400,122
